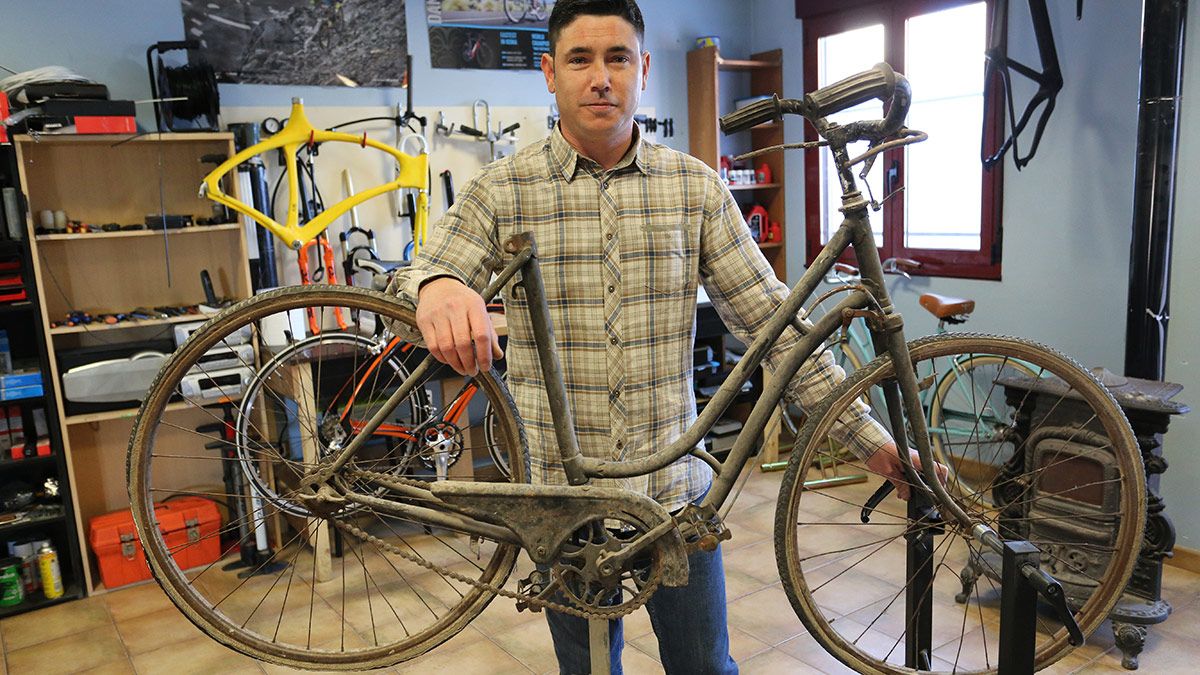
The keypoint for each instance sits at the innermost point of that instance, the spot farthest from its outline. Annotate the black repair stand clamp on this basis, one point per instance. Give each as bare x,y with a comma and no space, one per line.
1022,581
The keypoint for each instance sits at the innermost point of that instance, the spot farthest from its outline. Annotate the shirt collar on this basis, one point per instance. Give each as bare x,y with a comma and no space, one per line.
566,159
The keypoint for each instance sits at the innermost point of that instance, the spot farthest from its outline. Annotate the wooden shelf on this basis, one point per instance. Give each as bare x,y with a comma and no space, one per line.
143,323
121,414
137,233
114,139
771,244
754,186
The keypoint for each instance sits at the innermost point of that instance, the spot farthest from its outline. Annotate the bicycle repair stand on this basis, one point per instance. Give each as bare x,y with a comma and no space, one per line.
1022,581
598,646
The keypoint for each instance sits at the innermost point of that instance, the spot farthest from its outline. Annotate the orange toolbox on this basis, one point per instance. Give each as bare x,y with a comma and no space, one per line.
190,527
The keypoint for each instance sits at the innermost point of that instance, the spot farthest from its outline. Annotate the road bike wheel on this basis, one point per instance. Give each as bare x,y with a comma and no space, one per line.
392,588
537,10
515,10
360,371
968,429
1075,489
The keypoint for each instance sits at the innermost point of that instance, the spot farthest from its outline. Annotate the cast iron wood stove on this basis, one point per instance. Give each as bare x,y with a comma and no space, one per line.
1071,511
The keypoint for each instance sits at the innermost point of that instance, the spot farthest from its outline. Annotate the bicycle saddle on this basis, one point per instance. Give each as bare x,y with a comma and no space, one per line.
945,306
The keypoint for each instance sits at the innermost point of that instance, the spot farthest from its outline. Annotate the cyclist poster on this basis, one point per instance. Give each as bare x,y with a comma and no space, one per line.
307,42
488,34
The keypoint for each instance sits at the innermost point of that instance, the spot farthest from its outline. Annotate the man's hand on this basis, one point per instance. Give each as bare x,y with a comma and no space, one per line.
457,330
886,463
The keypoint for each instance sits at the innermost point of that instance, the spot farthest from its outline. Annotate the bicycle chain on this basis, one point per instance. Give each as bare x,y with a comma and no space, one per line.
621,610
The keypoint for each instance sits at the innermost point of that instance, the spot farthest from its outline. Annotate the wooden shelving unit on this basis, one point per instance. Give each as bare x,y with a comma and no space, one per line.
765,70
122,179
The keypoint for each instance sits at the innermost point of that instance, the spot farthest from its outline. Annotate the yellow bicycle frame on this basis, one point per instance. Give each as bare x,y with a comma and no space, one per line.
413,172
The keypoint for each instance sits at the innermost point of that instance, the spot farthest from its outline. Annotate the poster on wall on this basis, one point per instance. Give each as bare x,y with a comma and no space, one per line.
357,43
488,34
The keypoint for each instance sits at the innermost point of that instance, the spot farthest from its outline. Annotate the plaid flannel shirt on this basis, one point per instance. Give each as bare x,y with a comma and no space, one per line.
622,253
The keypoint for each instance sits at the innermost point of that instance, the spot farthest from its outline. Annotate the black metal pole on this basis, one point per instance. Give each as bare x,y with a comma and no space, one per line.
246,135
919,570
1163,27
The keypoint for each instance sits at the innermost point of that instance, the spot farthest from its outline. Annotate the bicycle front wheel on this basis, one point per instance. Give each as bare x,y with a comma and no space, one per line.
347,587
1073,486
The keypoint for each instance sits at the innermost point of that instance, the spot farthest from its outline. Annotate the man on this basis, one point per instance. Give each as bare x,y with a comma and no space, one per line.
625,231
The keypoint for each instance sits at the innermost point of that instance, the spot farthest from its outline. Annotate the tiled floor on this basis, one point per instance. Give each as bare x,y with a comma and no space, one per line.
137,630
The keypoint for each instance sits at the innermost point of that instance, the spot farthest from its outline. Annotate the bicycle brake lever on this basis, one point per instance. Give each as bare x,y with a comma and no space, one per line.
875,499
1049,588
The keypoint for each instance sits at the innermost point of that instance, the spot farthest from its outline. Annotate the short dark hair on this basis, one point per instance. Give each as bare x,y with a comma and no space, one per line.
566,11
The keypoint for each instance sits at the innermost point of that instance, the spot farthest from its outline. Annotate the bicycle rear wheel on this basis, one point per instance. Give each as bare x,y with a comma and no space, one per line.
968,428
353,588
1074,487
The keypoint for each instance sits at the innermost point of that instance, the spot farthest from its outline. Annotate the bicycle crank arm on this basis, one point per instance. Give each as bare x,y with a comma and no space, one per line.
609,561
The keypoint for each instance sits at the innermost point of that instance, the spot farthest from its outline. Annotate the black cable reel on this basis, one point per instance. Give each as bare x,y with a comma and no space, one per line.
194,84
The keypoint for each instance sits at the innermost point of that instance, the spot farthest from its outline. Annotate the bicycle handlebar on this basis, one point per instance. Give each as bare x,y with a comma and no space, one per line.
759,112
880,82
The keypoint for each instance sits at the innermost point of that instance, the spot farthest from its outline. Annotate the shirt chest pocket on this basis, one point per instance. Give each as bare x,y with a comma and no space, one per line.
663,259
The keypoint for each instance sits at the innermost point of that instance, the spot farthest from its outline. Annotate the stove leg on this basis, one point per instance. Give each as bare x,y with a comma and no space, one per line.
1130,639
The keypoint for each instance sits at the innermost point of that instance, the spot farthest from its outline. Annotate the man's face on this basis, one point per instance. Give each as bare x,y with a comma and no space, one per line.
597,75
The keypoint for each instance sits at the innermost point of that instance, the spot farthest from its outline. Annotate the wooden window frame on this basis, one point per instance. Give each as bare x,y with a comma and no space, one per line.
819,21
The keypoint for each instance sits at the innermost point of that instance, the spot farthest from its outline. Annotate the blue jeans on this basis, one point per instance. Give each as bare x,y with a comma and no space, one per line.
693,636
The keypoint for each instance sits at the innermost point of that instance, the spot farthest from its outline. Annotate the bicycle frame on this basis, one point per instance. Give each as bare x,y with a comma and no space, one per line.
413,171
854,232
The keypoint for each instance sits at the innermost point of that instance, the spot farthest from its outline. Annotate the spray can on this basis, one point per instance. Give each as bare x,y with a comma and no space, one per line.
52,585
12,591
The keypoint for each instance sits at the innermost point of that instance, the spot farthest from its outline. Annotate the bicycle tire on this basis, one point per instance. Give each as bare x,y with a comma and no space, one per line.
417,402
513,15
846,585
410,608
959,431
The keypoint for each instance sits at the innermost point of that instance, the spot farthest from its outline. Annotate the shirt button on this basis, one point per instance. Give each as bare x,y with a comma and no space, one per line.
617,394
608,236
620,444
604,185
611,289
613,340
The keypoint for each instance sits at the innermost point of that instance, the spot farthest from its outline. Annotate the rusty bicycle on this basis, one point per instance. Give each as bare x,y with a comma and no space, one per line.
413,560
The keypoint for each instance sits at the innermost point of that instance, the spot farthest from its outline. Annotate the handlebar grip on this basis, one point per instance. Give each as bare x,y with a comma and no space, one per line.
878,82
759,112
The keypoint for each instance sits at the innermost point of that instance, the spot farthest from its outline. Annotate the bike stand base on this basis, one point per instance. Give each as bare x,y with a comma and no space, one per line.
598,646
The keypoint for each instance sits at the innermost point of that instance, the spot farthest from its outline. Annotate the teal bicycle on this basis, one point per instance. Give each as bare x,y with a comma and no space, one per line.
969,428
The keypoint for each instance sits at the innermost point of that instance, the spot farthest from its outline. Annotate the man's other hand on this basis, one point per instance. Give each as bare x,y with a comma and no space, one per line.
457,330
886,463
